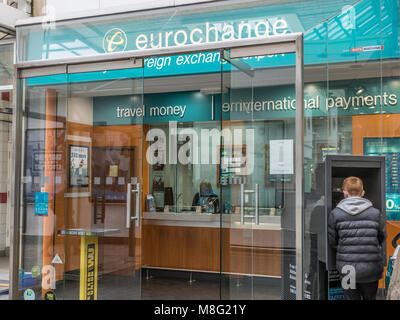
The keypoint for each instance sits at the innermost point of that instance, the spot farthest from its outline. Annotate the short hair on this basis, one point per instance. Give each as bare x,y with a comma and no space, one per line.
353,185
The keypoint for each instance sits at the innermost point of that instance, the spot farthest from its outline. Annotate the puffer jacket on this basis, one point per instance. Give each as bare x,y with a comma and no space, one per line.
357,231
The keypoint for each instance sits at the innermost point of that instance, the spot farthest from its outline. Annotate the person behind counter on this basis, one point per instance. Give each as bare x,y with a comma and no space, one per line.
206,198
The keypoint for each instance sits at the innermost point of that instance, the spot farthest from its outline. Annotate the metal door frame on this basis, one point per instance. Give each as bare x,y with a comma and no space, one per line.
278,44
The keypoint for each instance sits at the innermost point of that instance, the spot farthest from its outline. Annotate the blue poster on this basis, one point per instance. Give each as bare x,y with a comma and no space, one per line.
390,148
392,206
42,203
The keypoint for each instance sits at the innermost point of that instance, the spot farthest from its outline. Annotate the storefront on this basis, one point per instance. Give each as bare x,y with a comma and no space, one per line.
163,154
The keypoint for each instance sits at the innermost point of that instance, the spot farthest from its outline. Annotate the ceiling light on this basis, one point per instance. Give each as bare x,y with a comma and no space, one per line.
216,90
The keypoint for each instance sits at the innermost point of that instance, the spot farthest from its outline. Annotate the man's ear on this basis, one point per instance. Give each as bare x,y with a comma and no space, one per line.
346,194
362,193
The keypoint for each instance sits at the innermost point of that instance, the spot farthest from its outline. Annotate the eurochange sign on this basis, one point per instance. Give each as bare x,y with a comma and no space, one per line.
266,103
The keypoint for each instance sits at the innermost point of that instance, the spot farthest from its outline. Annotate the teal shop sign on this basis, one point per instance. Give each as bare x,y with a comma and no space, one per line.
276,102
333,32
155,108
344,99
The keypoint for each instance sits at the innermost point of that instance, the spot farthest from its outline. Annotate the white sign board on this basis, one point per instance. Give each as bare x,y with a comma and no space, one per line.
281,157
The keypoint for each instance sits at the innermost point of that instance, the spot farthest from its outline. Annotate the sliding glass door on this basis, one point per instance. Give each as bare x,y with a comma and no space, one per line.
257,179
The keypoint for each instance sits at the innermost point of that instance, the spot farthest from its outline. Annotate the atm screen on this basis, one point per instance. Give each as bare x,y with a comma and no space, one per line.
337,194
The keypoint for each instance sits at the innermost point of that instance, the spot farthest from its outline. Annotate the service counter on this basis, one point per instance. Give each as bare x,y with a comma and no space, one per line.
198,241
193,219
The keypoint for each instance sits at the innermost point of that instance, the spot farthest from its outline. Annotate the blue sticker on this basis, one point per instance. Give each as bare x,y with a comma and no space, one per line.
21,274
29,294
41,203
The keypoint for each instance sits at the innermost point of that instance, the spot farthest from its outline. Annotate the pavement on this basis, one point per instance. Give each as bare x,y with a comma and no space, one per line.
4,277
4,281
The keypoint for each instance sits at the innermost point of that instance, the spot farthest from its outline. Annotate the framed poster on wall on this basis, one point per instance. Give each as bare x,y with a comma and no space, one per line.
78,167
279,163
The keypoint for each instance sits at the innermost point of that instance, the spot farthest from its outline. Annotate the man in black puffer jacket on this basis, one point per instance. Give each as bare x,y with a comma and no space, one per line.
357,231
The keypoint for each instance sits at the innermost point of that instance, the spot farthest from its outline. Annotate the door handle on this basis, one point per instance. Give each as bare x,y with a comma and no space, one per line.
136,217
241,203
256,204
138,205
128,205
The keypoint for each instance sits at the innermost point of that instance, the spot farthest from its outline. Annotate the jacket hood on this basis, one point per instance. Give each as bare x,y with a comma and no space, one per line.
354,205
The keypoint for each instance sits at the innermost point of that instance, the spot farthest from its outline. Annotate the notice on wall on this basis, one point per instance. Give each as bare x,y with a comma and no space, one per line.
78,166
390,148
281,157
113,172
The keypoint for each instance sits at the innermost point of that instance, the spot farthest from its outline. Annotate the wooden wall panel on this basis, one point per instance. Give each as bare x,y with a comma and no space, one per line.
198,248
376,126
79,209
253,252
373,126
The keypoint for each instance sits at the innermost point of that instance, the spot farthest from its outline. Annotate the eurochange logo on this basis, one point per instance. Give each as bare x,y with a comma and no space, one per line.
115,40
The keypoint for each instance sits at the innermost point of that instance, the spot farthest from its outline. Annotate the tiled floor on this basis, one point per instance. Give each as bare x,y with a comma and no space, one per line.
169,286
174,286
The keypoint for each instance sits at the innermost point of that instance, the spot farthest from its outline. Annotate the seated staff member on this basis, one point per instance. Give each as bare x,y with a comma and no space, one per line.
206,198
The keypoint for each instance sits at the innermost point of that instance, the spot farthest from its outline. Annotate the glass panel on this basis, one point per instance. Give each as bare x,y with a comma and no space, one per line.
361,86
359,99
82,187
181,232
319,139
99,196
391,129
257,179
351,93
44,122
215,168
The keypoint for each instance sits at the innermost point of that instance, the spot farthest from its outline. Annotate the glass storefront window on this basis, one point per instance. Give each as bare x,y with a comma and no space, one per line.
351,91
359,104
98,151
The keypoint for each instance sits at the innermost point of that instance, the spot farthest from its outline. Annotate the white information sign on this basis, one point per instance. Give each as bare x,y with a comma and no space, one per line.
281,157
